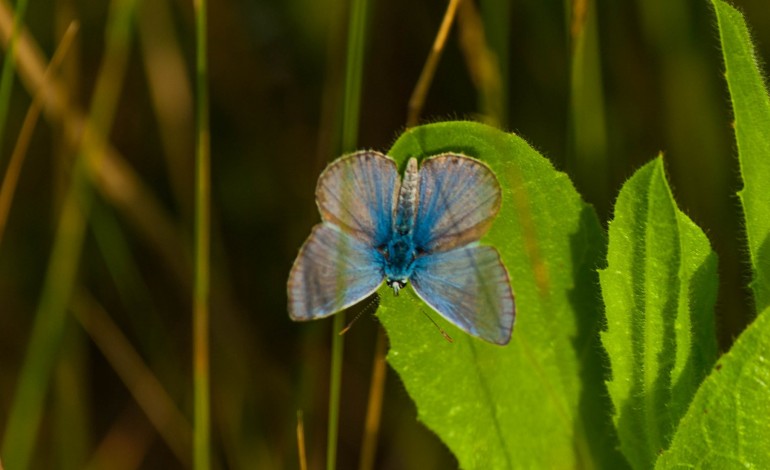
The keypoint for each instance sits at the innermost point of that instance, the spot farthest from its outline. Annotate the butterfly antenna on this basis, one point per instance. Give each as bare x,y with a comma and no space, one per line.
441,330
375,301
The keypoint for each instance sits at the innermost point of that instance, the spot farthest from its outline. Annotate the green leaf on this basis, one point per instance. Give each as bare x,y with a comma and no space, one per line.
659,289
751,108
540,401
727,425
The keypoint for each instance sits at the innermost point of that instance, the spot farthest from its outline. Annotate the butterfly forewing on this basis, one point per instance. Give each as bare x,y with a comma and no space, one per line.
468,286
459,198
332,271
357,193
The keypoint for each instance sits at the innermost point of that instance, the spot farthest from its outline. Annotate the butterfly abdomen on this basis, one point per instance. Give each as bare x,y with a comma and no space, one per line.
406,206
400,250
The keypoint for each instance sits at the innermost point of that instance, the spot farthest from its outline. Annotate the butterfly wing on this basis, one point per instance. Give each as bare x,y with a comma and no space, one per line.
332,271
357,192
468,286
458,199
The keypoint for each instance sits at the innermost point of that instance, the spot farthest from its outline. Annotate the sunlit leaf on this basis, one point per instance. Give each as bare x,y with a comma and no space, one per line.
727,425
659,289
751,109
540,401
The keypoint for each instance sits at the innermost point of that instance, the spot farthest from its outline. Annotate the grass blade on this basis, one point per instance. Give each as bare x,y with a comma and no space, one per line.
496,18
587,127
171,92
11,177
483,63
374,408
202,407
147,390
351,111
301,451
420,92
9,66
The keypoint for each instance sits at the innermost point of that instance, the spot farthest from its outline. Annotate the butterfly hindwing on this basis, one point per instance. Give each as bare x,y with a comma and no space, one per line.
357,193
468,286
333,271
458,199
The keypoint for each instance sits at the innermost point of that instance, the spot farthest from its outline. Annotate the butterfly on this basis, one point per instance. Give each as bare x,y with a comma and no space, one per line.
422,229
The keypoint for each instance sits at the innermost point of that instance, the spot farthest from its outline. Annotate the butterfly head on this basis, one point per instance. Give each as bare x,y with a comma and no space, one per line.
396,284
398,258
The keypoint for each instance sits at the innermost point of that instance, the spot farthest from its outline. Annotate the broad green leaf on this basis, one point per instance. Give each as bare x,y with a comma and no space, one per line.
727,425
540,401
751,109
659,289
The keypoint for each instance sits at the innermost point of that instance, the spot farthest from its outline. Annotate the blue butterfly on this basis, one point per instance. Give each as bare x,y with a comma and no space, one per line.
423,230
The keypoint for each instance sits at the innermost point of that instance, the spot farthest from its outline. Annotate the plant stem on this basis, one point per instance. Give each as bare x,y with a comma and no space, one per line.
374,409
335,381
6,81
202,424
13,170
587,139
354,69
351,108
417,99
301,452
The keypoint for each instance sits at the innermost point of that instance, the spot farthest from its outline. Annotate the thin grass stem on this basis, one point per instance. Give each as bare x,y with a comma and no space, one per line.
171,91
374,408
417,100
354,70
140,381
351,110
70,400
12,172
125,445
9,66
201,385
335,382
302,453
483,64
496,20
587,155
